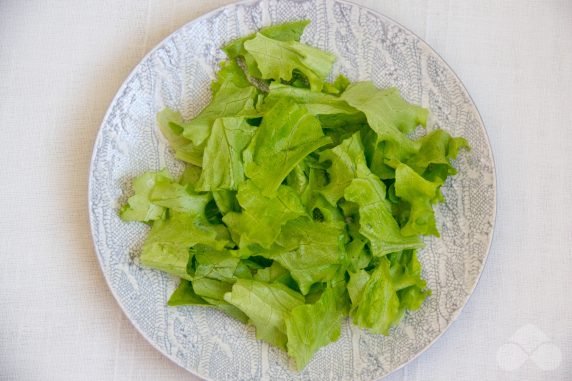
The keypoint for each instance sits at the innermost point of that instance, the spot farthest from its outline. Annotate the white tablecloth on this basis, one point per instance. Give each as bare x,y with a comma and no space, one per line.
61,62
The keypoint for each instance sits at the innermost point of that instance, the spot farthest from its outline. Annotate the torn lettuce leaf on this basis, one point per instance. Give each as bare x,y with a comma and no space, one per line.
298,179
177,197
345,159
139,206
277,60
317,256
171,126
166,248
420,194
229,101
289,31
226,201
386,111
185,295
275,273
212,263
287,135
376,222
235,50
438,149
262,217
391,118
230,71
338,119
405,270
222,161
266,305
376,305
316,103
190,175
312,326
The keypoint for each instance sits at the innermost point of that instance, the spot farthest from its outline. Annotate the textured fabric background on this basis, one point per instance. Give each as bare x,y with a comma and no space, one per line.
61,63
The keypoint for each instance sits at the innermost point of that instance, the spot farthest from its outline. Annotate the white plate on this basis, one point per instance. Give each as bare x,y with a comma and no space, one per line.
177,74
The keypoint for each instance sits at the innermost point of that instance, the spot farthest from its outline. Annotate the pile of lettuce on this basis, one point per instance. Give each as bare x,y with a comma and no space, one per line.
303,201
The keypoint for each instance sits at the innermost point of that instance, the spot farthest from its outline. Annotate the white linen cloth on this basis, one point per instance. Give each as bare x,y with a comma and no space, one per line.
61,63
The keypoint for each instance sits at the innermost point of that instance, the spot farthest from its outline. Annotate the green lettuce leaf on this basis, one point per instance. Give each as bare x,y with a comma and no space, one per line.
226,201
266,305
405,270
275,273
190,176
157,191
411,298
405,273
420,194
312,326
139,206
288,133
391,118
318,256
324,212
235,50
185,295
230,71
222,162
171,126
213,291
179,198
316,103
212,263
229,101
377,160
317,178
356,285
345,159
297,179
167,246
336,116
433,161
376,222
337,87
358,255
289,31
209,288
386,111
278,59
262,217
376,305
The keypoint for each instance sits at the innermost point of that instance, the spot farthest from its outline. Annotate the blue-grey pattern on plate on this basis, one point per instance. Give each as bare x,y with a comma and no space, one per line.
177,74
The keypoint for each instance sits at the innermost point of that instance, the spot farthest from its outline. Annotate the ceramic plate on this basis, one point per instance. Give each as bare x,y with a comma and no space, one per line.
177,73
